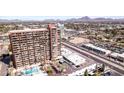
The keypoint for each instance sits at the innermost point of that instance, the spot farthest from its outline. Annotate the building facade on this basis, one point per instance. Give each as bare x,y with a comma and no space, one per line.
35,46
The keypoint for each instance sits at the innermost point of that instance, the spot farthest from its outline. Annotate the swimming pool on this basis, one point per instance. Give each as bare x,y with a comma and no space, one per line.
31,71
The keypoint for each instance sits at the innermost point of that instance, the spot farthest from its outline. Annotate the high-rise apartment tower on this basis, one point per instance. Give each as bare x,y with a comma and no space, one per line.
35,45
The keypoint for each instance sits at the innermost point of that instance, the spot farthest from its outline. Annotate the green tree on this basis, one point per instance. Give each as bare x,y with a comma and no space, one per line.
49,70
103,67
86,72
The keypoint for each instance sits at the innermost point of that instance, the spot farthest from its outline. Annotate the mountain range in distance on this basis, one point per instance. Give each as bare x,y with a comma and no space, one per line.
82,19
99,19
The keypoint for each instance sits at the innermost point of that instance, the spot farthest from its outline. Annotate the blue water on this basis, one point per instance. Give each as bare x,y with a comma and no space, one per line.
30,71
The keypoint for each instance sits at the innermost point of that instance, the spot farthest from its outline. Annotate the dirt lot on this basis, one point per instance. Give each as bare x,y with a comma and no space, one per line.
78,40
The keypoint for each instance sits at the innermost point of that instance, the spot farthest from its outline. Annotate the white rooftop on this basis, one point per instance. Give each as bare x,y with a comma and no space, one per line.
117,55
69,29
121,55
66,51
27,30
81,72
76,59
114,54
98,48
73,57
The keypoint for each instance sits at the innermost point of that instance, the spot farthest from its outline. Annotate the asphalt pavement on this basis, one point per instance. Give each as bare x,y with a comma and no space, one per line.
97,58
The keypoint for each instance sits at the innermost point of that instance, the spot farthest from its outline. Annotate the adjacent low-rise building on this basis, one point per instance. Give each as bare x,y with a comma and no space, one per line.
96,49
72,57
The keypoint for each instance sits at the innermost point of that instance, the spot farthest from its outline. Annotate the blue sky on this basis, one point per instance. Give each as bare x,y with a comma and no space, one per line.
37,17
51,17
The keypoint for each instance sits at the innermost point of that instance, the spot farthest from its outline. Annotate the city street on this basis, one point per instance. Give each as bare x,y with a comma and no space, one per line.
112,65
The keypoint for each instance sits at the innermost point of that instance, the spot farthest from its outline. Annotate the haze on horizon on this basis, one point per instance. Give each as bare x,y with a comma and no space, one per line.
53,17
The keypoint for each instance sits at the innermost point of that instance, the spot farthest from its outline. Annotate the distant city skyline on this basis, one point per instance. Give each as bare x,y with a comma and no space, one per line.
53,17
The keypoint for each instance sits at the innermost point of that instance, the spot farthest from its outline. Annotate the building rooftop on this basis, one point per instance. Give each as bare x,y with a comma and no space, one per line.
69,29
114,54
98,48
27,30
76,59
81,72
66,51
121,55
73,57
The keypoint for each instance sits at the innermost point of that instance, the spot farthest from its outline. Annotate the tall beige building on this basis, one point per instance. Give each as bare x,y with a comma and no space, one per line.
35,45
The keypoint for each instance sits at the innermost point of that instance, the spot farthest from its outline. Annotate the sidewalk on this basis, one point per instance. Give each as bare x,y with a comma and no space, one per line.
3,69
0,67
